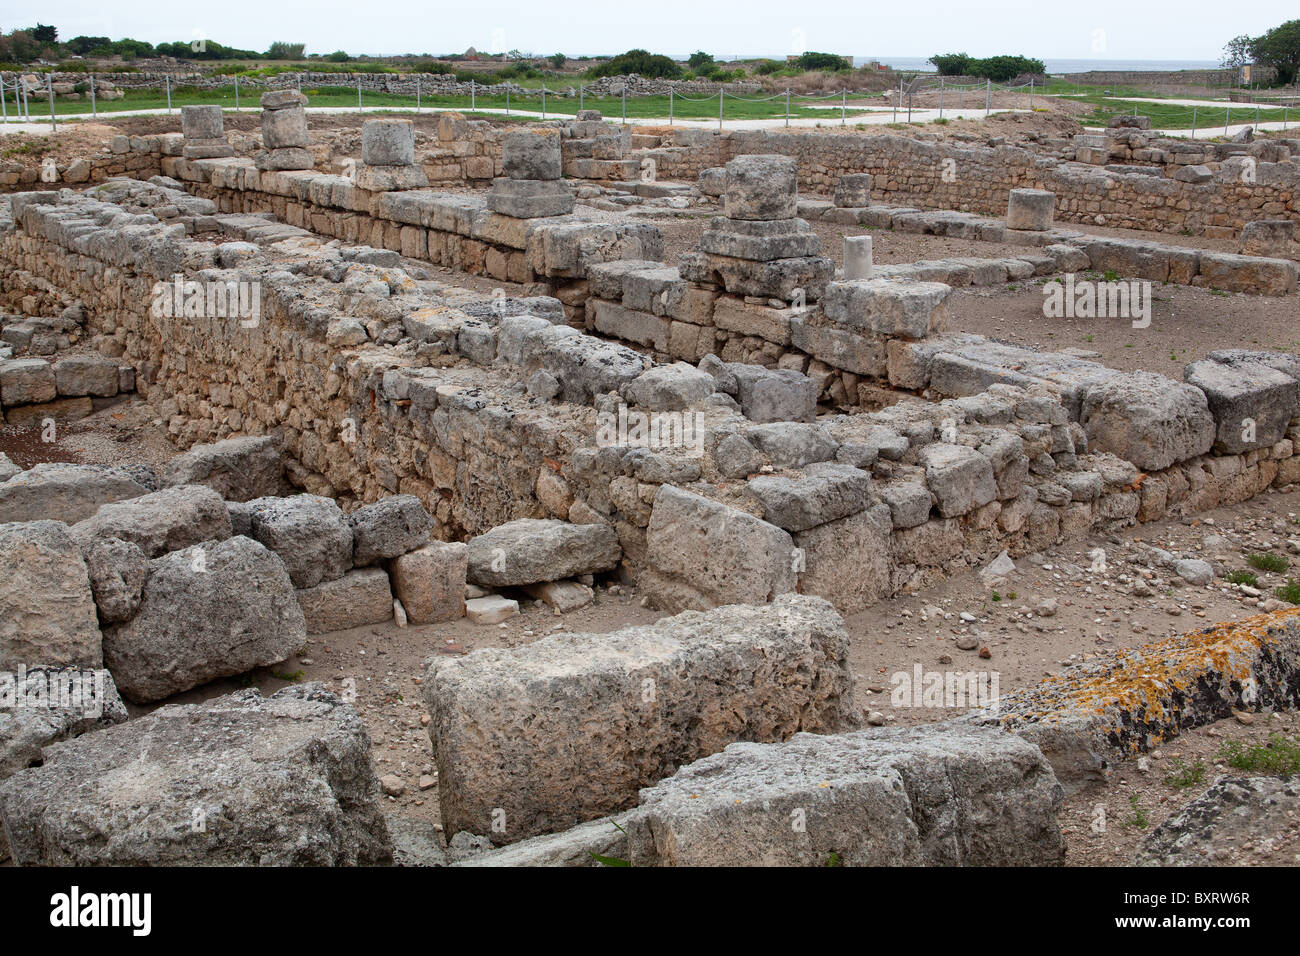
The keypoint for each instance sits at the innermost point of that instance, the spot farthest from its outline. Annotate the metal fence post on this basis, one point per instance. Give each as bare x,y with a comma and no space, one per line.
236,92
4,106
543,99
988,96
93,110
844,102
417,93
1031,94
49,85
787,106
507,99
1193,122
582,97
167,81
1227,114
1256,117
721,94
473,94
670,105
624,95
358,92
941,97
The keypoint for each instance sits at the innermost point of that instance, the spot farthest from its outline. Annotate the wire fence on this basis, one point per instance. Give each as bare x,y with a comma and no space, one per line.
922,97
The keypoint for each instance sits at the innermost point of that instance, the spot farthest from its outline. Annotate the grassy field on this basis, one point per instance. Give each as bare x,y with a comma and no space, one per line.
643,107
1182,117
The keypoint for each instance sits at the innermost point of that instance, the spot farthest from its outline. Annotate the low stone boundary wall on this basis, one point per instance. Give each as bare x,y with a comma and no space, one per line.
979,179
452,230
139,157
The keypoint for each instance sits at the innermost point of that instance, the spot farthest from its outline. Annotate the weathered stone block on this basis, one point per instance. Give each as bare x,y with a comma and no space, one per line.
761,187
279,781
430,582
387,142
702,553
1147,419
530,550
513,729
213,610
358,598
938,795
47,609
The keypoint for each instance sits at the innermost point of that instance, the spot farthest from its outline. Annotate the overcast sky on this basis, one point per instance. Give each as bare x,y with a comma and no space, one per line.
1099,29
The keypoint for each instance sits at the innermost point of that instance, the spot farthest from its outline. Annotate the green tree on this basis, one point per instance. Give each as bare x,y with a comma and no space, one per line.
82,45
951,64
279,50
338,56
999,69
22,48
558,60
699,61
822,61
1280,49
640,62
1237,52
45,35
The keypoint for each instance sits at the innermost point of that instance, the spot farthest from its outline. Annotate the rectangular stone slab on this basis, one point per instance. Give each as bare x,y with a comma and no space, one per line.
539,738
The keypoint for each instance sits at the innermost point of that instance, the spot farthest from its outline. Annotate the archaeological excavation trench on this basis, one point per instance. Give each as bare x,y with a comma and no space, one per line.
399,403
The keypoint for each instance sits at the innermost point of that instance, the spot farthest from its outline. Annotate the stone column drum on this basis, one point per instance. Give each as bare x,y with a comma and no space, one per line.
531,187
758,247
388,156
857,257
284,132
205,133
853,191
1030,209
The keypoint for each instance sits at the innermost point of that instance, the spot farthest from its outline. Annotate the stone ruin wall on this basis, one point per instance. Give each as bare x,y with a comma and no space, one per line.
914,492
981,179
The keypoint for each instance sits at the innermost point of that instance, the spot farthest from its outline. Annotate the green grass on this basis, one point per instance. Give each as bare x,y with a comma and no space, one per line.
1169,116
1289,592
1243,577
1279,755
1184,775
642,107
1264,561
1140,819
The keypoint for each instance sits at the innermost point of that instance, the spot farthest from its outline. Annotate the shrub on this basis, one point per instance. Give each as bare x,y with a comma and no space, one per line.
641,62
823,61
1264,561
1280,755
